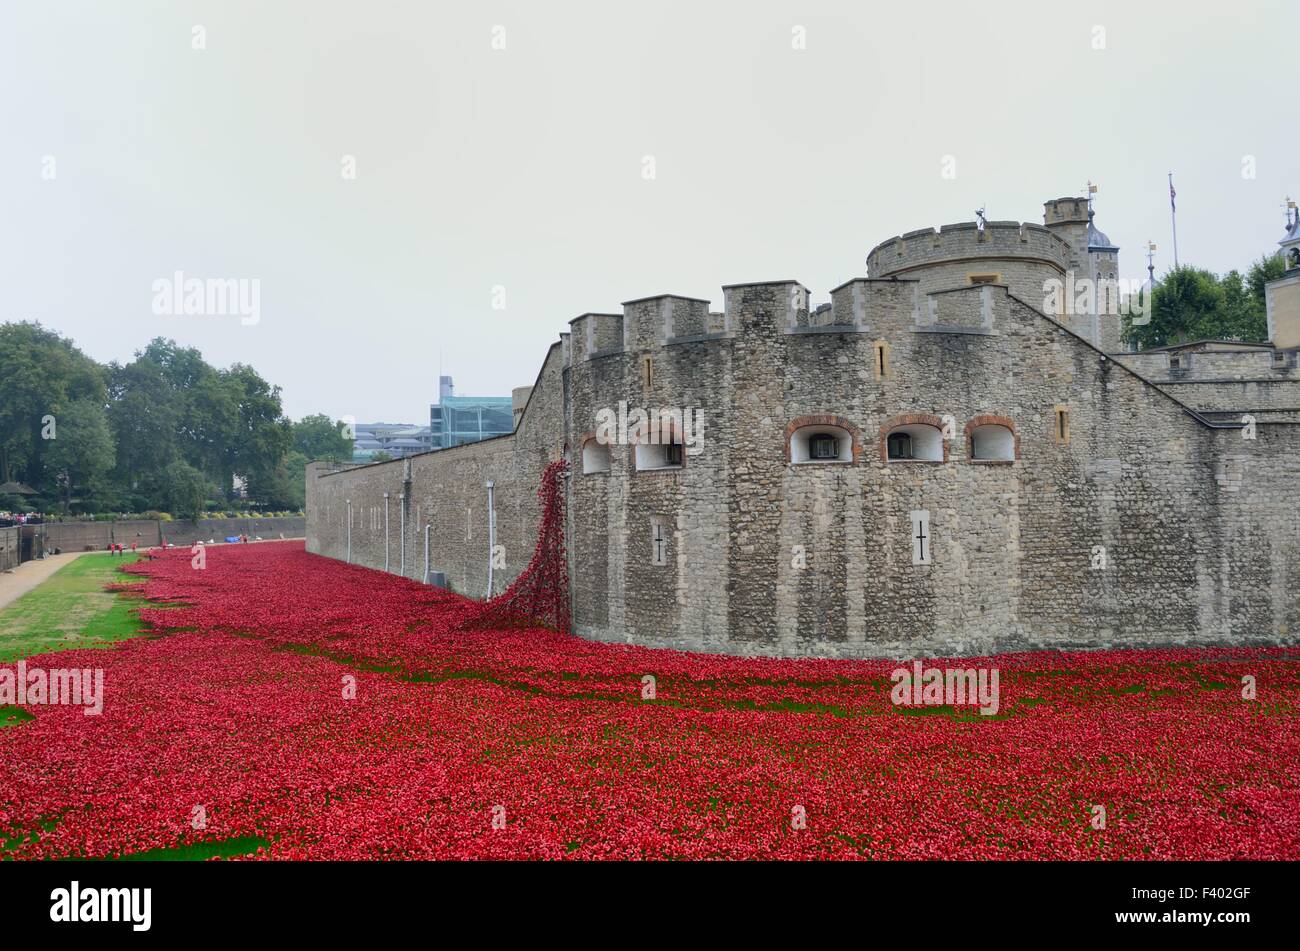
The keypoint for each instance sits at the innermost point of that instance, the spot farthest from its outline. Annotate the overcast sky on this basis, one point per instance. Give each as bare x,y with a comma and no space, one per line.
519,176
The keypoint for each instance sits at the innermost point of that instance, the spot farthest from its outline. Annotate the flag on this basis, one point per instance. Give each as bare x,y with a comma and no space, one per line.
1172,195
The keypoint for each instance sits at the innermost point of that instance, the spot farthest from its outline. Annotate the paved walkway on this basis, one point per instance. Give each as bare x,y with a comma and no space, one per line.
14,584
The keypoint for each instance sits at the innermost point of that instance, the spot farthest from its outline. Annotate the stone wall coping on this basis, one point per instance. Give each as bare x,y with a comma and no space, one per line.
732,287
647,299
875,280
592,313
698,338
828,329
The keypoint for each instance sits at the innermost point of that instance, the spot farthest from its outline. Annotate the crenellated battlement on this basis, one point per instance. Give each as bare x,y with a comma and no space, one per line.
654,321
954,243
879,306
593,335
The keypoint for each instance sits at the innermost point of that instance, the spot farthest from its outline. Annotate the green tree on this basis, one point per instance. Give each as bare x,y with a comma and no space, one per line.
144,415
284,486
81,453
1268,268
319,438
1185,305
186,490
40,374
263,434
1243,317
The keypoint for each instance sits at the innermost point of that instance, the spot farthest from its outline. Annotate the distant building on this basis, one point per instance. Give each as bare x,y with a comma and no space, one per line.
455,420
396,439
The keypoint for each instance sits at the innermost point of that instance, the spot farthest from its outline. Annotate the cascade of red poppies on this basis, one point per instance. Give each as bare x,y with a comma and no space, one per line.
540,595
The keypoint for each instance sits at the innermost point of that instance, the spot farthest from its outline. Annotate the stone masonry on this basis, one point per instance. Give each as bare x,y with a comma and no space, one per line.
1050,495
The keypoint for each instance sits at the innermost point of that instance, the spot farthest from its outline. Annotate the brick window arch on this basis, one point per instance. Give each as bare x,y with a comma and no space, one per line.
593,455
807,437
992,440
913,437
661,451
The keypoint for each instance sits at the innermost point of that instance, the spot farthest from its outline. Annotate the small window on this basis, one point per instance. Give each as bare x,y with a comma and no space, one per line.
595,457
992,443
661,455
823,446
984,278
1279,359
916,443
647,371
880,360
821,443
1061,427
1175,363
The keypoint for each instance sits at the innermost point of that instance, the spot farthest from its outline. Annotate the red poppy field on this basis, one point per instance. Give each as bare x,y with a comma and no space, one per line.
525,743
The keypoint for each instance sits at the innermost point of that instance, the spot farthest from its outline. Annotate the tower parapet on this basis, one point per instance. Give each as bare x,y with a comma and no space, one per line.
594,335
786,301
650,322
1021,256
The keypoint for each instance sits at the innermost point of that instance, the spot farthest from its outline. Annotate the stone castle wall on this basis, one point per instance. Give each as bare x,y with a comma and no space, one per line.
445,490
1131,521
1225,382
1188,513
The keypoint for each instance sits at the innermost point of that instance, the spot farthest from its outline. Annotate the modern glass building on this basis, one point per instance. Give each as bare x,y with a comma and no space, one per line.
461,419
394,439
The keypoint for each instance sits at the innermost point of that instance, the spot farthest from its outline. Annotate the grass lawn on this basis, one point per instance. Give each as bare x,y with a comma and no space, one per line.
70,609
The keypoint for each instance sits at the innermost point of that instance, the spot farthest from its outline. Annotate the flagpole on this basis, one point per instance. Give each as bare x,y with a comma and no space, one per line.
1173,216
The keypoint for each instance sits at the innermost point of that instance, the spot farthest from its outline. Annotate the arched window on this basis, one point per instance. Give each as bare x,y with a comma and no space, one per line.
992,439
821,439
595,456
991,443
813,444
915,442
666,453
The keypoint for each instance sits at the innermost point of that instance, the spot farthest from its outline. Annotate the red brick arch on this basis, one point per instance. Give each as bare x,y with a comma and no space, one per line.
911,419
989,419
576,465
825,419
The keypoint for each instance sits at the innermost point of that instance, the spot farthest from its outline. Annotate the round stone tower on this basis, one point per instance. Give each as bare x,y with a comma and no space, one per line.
1024,257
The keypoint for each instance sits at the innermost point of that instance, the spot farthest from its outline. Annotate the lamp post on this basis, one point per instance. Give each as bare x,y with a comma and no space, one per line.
492,534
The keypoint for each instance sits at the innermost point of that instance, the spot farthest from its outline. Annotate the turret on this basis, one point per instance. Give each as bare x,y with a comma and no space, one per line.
1282,297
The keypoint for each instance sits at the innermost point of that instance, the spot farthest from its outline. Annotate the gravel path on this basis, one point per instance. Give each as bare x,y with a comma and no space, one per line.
14,584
